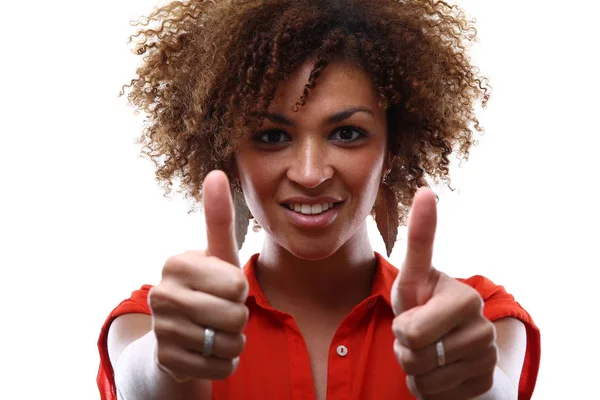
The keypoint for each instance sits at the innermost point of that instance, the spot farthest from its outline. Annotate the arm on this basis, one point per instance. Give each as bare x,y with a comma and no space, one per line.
511,339
132,349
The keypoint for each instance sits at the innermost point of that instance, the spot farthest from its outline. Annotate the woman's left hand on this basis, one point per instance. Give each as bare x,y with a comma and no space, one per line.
443,342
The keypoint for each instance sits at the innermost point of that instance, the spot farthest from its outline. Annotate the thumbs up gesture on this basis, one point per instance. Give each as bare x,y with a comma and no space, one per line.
445,345
198,308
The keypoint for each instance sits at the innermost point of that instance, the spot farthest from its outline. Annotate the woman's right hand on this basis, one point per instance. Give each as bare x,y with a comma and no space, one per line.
199,290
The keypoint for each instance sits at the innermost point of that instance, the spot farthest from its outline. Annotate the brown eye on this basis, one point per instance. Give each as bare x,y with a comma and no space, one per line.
348,134
271,137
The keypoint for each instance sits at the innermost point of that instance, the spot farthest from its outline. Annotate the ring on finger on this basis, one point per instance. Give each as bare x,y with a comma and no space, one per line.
209,342
441,353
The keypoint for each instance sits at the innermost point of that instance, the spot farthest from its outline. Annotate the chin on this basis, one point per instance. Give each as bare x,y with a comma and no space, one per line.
311,252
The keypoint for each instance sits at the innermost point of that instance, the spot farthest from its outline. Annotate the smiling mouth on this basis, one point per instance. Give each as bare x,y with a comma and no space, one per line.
314,209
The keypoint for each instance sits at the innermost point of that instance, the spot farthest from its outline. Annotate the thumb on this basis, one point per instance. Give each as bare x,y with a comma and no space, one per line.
220,216
417,277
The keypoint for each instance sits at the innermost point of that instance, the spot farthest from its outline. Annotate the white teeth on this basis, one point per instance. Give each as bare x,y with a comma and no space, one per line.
310,209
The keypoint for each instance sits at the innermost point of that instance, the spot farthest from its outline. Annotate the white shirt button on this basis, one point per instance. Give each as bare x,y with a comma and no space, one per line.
342,350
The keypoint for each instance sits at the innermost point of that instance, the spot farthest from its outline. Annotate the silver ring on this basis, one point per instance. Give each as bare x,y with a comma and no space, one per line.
209,341
441,353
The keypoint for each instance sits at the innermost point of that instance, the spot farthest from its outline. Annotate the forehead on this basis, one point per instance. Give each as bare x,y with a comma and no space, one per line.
340,85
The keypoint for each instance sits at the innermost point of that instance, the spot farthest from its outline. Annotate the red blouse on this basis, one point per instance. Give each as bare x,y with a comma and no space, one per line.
362,364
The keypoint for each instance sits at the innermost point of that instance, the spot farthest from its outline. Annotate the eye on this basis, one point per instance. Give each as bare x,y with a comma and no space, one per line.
348,134
271,137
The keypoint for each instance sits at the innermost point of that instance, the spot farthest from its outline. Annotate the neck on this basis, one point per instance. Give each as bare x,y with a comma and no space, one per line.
339,281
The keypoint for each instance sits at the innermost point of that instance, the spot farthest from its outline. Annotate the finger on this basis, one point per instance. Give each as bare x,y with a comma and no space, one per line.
451,378
446,310
210,311
220,216
183,363
417,278
190,336
226,345
465,342
206,274
421,234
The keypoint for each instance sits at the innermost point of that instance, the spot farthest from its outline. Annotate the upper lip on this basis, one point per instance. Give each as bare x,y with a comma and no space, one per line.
311,200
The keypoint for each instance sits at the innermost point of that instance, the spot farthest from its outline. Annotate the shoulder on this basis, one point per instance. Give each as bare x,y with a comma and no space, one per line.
515,329
136,303
133,308
485,286
498,303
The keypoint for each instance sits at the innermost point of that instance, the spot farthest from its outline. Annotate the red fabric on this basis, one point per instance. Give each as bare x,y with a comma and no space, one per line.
137,303
275,363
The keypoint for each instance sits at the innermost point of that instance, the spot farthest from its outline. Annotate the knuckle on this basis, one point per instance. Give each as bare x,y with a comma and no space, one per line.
158,297
489,334
412,334
234,347
223,370
407,360
240,317
239,285
164,357
474,302
175,265
420,383
164,328
398,327
239,345
471,303
493,356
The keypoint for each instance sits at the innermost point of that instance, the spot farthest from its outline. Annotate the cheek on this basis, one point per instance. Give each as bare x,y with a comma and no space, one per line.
254,189
258,179
366,176
369,194
362,179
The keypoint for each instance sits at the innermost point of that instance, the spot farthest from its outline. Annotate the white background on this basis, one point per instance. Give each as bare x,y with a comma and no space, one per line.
83,223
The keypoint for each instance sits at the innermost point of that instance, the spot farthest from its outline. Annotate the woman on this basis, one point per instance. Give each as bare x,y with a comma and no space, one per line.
317,114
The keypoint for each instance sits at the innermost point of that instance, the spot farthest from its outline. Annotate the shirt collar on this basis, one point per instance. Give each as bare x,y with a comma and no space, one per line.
385,274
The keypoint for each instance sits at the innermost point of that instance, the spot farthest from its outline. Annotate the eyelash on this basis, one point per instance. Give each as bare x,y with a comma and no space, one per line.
361,133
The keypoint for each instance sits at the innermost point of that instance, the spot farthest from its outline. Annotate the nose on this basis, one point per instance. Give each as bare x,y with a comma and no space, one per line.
310,164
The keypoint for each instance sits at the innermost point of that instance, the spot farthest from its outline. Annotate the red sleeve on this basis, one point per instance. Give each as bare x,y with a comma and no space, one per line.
137,303
499,304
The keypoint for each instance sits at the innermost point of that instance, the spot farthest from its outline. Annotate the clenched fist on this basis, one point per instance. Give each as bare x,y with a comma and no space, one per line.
200,290
444,343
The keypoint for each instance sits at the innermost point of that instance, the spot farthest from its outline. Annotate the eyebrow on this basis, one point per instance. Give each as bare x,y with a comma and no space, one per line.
337,117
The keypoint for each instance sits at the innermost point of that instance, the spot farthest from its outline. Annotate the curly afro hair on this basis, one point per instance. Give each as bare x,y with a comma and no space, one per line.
211,68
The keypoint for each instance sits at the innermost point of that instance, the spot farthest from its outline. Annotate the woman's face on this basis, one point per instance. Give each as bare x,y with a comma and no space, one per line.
331,151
